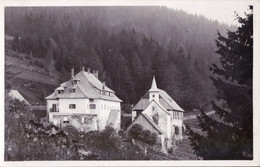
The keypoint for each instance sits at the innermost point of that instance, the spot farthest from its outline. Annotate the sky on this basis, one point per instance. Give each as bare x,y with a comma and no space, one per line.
222,11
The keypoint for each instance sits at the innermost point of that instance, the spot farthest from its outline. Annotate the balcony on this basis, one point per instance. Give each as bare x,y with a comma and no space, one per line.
54,109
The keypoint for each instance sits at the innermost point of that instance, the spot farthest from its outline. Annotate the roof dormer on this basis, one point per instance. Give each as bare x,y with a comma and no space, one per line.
73,89
75,80
60,90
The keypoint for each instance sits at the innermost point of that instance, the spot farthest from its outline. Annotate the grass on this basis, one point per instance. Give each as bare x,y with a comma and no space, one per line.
33,82
184,150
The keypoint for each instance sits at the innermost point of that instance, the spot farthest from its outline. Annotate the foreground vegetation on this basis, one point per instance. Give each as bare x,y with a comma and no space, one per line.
28,139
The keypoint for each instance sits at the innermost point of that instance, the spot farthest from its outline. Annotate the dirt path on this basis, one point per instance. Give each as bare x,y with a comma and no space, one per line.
195,115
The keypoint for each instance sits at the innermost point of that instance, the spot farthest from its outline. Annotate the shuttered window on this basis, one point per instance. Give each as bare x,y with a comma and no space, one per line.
92,106
72,106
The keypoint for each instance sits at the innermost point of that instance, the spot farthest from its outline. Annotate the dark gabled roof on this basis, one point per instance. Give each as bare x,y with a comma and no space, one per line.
87,87
165,100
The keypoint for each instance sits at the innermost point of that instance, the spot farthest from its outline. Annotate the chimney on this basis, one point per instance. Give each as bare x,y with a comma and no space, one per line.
103,84
95,73
72,72
88,69
83,68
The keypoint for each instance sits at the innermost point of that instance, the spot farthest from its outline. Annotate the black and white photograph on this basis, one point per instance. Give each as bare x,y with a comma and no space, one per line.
104,82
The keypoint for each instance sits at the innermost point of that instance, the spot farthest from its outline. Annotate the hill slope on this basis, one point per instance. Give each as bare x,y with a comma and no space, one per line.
24,75
126,44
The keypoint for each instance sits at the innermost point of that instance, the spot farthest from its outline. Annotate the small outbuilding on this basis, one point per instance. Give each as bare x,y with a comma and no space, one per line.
15,94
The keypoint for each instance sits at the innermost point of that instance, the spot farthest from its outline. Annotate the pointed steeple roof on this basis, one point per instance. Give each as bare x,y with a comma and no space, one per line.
154,85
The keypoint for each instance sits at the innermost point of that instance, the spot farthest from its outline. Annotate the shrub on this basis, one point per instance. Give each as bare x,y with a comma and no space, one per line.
104,140
125,121
127,108
15,105
39,63
137,132
25,139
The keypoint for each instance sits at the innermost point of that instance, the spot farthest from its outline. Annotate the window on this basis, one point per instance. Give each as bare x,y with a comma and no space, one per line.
101,106
92,106
73,90
54,108
91,100
153,95
65,120
72,106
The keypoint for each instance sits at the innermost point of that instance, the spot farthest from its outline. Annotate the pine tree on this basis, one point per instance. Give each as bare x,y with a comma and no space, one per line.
230,135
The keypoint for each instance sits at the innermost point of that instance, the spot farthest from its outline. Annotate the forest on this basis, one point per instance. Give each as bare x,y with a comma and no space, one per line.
127,45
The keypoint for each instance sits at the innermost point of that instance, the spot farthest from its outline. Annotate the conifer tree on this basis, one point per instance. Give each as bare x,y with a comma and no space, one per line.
230,135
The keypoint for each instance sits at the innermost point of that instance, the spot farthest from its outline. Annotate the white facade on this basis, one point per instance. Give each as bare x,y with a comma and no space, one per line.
164,120
103,108
79,96
165,113
80,105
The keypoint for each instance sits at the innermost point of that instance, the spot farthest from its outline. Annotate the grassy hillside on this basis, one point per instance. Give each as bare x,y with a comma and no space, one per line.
25,74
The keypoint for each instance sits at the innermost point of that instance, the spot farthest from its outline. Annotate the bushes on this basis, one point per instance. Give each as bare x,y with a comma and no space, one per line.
127,108
125,121
15,105
37,62
26,139
105,140
137,132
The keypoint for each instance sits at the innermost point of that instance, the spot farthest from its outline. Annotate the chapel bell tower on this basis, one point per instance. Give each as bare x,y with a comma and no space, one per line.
154,92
